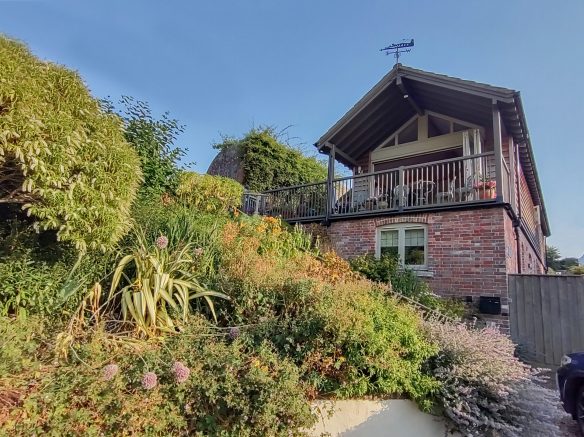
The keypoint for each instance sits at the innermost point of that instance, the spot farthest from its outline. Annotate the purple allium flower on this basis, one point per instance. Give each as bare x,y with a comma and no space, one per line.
162,242
198,251
110,371
233,332
181,372
149,380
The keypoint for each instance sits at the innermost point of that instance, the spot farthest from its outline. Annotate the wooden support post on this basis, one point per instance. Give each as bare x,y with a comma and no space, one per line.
329,186
401,189
498,148
513,175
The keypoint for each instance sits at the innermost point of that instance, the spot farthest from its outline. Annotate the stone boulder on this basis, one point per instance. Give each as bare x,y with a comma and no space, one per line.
228,163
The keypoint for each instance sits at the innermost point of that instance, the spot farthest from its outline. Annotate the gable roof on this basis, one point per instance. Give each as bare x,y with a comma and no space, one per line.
405,91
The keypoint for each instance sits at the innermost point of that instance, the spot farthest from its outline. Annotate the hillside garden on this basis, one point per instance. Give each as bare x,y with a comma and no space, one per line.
135,298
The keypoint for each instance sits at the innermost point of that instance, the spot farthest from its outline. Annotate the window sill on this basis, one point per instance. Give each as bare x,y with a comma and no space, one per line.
423,273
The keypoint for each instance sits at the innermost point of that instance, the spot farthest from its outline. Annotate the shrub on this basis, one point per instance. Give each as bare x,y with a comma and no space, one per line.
209,193
387,270
484,387
155,284
64,160
348,337
229,390
30,286
269,163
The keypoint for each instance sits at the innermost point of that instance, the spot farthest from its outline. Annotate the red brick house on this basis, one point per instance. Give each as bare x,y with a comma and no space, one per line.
443,175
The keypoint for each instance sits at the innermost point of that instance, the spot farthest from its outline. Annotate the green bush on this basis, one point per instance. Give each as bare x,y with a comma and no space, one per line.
229,390
63,159
31,286
209,193
387,270
269,163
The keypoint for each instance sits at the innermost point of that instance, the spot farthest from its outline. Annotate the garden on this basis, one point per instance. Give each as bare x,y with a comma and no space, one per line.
136,298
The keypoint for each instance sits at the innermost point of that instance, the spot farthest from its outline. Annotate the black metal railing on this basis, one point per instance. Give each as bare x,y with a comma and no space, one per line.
469,179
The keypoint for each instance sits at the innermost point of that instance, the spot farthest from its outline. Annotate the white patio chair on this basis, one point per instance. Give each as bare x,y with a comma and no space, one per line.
447,196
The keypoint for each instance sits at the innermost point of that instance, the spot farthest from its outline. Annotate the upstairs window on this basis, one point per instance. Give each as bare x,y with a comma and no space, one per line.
406,242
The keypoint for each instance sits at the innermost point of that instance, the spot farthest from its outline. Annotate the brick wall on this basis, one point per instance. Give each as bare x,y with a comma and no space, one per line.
469,251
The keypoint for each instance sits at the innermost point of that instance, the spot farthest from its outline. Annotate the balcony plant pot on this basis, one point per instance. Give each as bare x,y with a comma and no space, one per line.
487,189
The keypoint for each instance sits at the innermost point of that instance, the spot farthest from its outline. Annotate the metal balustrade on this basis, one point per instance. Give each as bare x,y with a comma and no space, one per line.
464,180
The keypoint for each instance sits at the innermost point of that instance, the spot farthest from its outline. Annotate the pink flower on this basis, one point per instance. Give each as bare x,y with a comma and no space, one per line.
181,372
162,242
149,380
110,371
198,251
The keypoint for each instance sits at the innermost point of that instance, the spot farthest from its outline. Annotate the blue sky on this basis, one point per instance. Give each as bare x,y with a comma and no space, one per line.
223,67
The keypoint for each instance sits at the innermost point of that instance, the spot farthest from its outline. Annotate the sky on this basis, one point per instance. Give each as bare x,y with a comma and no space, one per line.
223,67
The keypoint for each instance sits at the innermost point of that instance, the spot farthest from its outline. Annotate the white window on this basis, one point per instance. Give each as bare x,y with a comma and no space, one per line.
409,242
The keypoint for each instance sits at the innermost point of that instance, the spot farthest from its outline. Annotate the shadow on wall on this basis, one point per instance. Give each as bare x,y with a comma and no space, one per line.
395,418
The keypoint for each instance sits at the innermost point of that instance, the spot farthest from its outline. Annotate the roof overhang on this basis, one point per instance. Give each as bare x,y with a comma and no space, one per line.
405,92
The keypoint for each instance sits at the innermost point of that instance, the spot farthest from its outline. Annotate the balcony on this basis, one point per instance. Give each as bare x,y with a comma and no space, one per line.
468,180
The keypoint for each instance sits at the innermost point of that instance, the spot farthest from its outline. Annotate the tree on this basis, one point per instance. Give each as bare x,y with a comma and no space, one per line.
577,270
552,257
154,141
62,159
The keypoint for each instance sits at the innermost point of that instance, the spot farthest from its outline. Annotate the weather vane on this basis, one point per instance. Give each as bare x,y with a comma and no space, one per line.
398,48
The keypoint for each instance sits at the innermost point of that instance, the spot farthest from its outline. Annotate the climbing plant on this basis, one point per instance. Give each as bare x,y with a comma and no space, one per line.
269,162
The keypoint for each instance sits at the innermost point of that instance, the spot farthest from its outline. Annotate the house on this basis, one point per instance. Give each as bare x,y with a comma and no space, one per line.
443,175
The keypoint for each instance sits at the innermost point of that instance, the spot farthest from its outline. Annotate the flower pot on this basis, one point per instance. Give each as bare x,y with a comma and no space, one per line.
487,193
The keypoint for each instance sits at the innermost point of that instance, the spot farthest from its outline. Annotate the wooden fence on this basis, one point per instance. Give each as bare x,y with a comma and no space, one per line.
546,316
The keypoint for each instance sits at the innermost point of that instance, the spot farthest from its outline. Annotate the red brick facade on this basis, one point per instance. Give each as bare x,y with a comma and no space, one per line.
470,252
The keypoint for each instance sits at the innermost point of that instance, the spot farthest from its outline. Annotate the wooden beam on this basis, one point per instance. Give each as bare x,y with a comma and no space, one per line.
408,96
330,186
498,148
513,170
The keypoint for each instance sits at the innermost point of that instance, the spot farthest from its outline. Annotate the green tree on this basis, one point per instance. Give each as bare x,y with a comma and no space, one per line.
577,270
62,159
268,162
552,257
154,140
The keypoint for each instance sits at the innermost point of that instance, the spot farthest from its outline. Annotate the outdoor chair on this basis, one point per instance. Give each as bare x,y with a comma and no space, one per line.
424,190
447,196
466,192
401,192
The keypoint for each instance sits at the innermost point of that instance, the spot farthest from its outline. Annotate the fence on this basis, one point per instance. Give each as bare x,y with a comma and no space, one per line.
546,316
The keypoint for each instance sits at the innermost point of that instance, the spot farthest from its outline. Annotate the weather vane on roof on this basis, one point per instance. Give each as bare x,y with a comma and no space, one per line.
398,48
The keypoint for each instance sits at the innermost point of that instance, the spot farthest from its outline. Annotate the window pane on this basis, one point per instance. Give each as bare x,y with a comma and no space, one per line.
390,251
409,134
414,247
389,239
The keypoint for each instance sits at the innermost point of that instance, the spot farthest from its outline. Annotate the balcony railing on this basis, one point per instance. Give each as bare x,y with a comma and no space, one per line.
465,180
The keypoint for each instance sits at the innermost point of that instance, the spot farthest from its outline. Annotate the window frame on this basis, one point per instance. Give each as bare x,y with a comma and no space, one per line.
401,234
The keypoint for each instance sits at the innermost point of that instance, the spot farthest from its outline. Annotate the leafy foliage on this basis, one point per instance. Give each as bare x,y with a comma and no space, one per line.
484,387
230,389
154,140
348,337
387,270
268,163
157,284
61,157
209,193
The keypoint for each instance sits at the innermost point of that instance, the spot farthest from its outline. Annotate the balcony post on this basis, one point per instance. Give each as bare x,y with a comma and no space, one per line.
329,185
401,189
498,147
512,175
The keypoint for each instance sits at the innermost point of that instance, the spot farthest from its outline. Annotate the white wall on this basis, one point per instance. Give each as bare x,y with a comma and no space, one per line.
395,418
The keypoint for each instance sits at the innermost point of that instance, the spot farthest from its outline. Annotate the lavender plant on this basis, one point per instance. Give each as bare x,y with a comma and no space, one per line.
484,388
